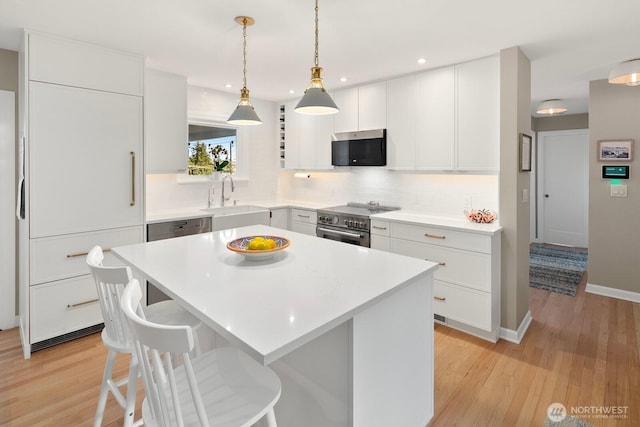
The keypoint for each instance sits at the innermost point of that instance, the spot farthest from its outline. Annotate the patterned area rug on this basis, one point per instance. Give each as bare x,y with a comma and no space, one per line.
556,269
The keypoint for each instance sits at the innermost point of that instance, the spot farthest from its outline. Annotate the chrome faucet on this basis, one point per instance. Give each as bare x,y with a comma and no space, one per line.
222,198
212,191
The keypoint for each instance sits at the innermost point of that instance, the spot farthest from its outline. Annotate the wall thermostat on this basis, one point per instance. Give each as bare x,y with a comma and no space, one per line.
615,172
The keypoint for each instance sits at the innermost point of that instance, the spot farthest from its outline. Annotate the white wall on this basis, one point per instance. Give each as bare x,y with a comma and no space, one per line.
436,194
258,152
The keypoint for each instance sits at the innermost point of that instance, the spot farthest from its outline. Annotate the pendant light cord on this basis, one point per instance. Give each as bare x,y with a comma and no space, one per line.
244,52
316,52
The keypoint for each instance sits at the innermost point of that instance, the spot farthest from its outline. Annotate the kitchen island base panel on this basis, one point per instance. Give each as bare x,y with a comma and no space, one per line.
375,370
393,359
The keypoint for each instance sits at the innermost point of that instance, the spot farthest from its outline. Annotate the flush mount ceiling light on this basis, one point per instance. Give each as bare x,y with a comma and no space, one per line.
551,107
627,73
244,113
316,100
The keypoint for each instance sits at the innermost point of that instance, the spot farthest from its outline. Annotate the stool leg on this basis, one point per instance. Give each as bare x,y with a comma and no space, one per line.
271,418
130,405
104,389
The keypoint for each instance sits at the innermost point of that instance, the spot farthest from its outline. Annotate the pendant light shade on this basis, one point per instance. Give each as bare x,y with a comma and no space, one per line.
244,114
551,107
627,73
316,100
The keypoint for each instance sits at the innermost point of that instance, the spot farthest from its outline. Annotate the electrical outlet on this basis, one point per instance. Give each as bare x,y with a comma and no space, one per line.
467,202
618,191
525,195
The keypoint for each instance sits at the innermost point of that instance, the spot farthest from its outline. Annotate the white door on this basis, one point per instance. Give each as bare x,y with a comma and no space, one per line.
563,198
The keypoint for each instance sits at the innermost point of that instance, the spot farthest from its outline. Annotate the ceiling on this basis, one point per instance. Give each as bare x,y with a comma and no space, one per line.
569,42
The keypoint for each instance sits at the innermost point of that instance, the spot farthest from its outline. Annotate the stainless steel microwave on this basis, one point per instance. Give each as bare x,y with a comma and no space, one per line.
363,148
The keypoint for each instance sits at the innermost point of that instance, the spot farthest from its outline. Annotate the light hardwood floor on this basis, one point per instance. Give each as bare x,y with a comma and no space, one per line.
580,351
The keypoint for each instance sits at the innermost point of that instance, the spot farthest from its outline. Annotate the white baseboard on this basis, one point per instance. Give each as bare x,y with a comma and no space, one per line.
613,292
516,336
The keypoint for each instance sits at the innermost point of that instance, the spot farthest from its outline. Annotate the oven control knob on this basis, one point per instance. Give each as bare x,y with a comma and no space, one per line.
345,222
350,223
361,224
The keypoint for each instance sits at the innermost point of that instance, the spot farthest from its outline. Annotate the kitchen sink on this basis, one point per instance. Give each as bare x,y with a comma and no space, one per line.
237,216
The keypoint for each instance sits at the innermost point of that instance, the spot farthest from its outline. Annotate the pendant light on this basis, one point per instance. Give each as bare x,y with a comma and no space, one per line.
551,107
627,73
244,113
316,100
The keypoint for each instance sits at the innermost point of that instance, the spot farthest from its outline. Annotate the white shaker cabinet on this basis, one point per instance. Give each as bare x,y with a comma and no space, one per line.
346,120
467,283
82,114
279,218
165,117
401,123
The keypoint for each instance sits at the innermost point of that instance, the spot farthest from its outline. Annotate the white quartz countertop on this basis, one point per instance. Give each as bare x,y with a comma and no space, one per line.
272,306
199,212
421,218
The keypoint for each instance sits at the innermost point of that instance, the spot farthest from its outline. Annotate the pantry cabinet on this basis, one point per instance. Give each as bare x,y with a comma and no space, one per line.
82,113
165,119
467,283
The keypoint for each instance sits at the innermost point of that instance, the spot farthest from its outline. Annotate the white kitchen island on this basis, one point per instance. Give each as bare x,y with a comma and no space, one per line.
348,329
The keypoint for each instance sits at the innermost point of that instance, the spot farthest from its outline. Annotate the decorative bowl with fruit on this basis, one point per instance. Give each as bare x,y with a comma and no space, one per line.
481,216
258,247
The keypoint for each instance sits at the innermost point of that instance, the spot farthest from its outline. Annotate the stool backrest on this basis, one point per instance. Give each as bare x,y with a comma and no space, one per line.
110,283
160,348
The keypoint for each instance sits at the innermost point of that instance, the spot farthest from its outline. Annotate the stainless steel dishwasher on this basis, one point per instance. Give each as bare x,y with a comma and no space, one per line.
169,230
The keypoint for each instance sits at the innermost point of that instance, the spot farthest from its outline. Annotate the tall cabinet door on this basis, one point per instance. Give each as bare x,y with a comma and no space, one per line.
85,160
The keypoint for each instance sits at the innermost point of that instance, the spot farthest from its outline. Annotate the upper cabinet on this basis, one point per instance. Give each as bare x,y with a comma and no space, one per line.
165,119
72,63
446,119
361,108
478,108
308,139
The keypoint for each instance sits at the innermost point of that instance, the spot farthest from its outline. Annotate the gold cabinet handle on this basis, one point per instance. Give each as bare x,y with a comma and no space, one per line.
442,263
303,216
439,298
80,304
133,178
434,236
79,254
378,228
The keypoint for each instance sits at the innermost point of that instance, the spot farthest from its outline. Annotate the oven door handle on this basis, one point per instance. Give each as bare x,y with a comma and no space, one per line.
341,233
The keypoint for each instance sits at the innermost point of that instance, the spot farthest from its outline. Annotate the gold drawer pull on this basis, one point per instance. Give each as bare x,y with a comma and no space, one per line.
303,216
434,236
379,228
439,298
442,263
79,254
79,304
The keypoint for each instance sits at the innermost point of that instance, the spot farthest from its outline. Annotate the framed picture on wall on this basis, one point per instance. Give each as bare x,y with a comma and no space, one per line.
615,150
525,152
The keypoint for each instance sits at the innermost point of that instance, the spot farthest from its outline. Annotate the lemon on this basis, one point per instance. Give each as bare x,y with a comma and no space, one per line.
271,244
253,245
261,246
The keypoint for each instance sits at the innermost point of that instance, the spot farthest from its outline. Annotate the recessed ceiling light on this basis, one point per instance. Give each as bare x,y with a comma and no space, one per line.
292,91
422,61
227,85
343,79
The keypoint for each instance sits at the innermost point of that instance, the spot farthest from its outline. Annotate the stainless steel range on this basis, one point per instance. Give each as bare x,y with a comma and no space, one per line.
349,223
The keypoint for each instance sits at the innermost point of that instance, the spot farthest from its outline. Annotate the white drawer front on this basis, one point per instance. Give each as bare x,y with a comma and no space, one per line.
64,306
442,237
302,215
470,269
380,228
381,243
463,305
60,257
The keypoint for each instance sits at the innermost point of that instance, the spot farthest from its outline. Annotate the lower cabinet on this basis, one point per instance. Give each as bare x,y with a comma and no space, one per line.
303,221
279,218
62,294
466,292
